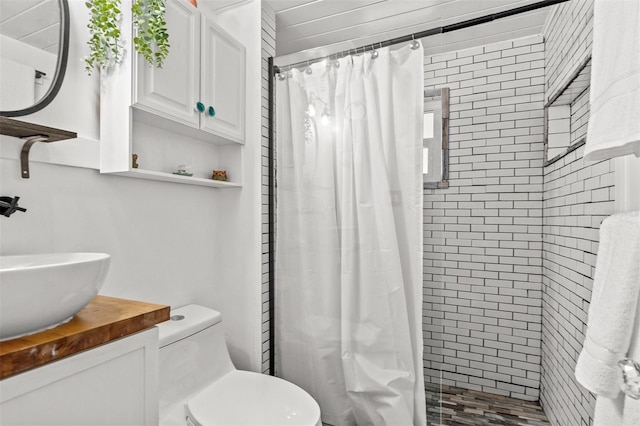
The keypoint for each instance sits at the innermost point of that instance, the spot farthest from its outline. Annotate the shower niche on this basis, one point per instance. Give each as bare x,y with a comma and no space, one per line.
566,115
180,122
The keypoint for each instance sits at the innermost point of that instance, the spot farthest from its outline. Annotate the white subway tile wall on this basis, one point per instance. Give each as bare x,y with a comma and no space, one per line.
578,195
568,34
268,50
579,117
558,130
483,235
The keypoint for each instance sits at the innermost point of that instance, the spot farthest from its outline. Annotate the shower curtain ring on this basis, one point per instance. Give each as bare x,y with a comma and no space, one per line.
374,53
414,43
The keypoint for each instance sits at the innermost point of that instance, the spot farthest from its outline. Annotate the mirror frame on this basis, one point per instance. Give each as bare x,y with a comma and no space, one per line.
61,67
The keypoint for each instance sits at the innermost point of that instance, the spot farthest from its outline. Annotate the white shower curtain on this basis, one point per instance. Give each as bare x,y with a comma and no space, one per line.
349,236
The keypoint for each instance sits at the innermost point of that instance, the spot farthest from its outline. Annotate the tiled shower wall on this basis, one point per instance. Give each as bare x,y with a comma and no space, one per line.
268,50
483,235
578,195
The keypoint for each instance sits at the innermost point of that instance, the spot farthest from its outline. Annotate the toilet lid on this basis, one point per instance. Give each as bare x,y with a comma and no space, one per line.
250,399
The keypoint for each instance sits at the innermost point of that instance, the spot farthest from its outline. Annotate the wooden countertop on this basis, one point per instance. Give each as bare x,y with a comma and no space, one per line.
104,319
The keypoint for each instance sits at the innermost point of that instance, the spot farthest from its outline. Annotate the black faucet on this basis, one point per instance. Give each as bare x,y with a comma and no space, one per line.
9,205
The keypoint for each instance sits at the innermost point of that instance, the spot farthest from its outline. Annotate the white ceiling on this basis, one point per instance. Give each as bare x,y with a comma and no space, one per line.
35,22
306,29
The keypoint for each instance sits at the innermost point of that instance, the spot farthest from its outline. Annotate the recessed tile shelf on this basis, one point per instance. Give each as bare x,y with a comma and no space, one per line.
566,115
170,177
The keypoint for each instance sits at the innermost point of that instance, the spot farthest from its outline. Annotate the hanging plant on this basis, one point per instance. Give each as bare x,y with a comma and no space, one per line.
151,41
104,26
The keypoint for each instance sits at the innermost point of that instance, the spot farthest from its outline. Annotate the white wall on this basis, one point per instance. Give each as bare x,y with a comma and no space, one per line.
238,218
161,236
171,243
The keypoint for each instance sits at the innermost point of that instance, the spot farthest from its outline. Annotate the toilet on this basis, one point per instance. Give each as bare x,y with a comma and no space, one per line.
199,385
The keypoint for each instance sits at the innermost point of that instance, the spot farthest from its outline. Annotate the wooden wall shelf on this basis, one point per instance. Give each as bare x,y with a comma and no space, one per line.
31,133
23,130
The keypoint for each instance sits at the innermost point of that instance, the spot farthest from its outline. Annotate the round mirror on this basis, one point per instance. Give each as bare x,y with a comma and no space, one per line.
34,45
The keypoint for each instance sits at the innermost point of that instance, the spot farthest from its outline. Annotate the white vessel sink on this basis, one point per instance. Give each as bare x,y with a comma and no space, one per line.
41,291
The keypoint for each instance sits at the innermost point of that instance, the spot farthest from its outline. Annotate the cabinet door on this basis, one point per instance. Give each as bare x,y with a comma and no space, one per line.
222,82
113,384
171,91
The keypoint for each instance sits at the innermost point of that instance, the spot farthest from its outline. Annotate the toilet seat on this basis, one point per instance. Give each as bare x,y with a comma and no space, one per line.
250,399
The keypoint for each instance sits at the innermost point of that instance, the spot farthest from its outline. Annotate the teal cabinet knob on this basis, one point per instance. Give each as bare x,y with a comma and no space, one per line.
211,111
200,107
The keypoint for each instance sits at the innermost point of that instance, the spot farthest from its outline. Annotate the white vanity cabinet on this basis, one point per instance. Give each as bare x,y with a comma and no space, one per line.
112,384
153,113
202,81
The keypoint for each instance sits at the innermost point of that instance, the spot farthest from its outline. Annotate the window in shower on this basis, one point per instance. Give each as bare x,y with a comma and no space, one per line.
435,139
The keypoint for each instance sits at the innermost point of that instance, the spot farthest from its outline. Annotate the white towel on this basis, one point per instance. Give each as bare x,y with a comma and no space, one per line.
614,122
622,410
612,312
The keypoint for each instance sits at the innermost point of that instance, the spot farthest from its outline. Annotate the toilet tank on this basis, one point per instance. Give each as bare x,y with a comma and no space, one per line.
193,354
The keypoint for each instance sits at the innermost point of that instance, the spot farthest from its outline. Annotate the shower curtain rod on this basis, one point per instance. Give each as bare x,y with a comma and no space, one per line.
422,34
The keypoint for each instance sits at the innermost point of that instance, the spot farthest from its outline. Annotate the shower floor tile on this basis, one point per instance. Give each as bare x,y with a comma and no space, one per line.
459,406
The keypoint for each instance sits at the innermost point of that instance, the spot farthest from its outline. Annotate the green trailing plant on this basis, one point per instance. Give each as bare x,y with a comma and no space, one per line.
105,34
151,39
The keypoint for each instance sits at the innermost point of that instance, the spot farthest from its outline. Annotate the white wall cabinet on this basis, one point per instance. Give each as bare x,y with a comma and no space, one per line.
189,112
222,81
201,83
173,90
113,384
